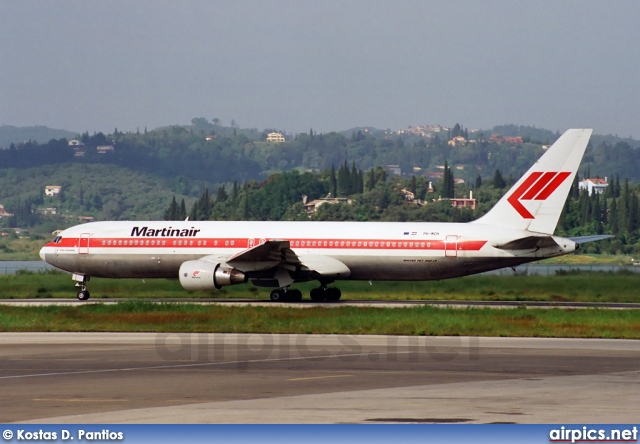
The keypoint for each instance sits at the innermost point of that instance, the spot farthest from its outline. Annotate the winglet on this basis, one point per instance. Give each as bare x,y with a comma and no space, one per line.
536,201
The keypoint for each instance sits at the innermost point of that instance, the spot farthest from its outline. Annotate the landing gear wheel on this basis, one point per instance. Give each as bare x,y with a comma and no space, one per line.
333,294
317,294
294,295
83,295
277,296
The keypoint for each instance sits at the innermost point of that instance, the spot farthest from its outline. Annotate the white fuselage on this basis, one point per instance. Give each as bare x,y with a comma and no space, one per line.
371,251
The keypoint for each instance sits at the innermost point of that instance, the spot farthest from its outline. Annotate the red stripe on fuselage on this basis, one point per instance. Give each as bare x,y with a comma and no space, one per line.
243,243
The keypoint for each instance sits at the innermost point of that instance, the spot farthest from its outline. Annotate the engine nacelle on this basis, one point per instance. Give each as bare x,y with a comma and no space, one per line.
204,275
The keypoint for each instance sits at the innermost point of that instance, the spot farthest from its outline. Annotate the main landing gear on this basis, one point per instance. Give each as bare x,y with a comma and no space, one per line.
286,295
319,294
83,294
329,294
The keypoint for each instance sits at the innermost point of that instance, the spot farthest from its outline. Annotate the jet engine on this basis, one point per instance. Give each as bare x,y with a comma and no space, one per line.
204,275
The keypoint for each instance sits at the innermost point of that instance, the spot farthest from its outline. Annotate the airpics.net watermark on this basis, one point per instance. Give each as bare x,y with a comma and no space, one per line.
593,434
242,350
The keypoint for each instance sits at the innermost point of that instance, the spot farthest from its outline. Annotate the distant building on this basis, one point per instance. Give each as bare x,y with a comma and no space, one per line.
104,149
434,175
75,143
462,202
312,207
84,219
3,212
596,185
499,138
275,137
427,131
410,197
393,169
52,190
457,141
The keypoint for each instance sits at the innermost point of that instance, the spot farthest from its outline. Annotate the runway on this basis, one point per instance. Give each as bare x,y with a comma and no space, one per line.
380,303
238,378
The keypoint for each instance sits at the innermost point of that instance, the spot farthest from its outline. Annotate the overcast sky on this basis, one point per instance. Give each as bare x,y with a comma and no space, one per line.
326,65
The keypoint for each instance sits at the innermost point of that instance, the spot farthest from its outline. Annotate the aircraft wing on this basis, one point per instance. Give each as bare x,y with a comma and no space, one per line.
269,251
277,253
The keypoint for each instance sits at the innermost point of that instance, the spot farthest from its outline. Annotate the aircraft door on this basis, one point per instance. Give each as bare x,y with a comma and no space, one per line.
451,246
83,243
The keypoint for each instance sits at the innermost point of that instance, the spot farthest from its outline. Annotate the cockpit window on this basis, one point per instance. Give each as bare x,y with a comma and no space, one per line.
57,239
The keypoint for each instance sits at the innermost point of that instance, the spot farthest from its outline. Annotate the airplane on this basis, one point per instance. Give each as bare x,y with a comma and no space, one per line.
209,255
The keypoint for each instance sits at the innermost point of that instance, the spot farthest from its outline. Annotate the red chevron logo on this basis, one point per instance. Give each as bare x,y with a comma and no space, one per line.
538,186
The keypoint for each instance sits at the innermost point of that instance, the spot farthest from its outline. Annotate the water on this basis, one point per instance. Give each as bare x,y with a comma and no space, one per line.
11,267
552,269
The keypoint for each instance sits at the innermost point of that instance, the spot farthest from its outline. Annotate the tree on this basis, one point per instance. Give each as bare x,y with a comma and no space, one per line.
333,184
478,183
498,180
182,212
456,131
448,182
344,180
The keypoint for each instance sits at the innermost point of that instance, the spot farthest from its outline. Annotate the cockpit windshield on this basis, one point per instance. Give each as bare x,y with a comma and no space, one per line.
57,239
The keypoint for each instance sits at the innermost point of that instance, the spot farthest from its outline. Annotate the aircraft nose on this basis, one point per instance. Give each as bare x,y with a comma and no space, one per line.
42,254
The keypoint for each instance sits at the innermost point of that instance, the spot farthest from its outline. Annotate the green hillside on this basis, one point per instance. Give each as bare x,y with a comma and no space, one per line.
103,191
13,134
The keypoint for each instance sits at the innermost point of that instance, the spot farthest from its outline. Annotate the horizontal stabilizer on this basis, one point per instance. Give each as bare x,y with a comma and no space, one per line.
528,243
594,238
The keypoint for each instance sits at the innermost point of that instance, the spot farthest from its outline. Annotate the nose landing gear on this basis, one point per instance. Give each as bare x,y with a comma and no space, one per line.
83,294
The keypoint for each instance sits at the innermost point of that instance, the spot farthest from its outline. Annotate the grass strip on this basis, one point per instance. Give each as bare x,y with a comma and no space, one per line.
578,287
421,320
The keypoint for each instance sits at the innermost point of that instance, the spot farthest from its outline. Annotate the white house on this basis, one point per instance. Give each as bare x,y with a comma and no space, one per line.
596,185
275,137
52,190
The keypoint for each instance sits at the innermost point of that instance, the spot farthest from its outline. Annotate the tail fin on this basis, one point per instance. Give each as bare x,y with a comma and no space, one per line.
535,202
